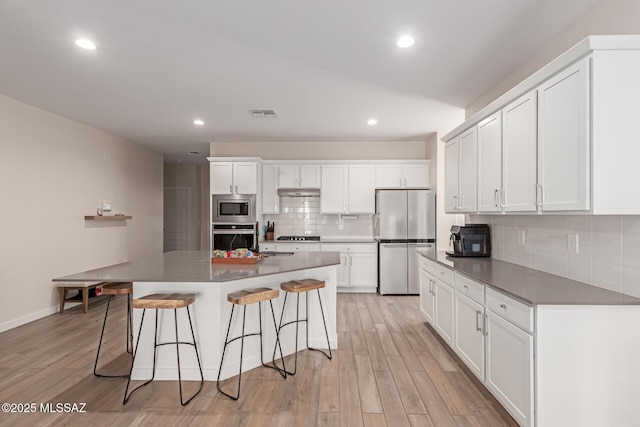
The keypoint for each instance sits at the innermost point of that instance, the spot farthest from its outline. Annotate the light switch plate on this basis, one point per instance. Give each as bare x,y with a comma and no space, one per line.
106,206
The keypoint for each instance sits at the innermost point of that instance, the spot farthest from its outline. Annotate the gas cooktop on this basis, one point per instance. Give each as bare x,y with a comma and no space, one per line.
300,238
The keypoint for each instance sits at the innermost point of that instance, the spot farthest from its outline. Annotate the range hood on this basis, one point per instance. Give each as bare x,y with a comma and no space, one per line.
299,192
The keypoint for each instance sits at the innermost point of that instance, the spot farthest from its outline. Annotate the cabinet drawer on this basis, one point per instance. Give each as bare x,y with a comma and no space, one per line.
518,313
427,265
350,247
468,287
298,247
444,274
267,247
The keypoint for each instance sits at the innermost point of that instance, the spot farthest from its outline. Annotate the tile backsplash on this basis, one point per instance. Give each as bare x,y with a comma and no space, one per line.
300,216
607,253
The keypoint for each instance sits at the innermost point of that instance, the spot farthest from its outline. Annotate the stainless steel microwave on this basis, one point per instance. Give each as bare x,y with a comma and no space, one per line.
233,208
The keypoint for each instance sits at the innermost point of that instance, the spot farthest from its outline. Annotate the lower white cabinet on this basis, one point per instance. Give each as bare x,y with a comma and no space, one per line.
469,341
444,319
509,375
427,295
358,271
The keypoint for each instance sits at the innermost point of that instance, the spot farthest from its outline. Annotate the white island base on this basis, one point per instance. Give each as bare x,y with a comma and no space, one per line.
210,316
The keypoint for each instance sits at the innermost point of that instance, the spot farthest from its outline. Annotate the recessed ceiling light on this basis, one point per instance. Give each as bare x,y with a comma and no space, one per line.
372,122
405,41
85,44
198,122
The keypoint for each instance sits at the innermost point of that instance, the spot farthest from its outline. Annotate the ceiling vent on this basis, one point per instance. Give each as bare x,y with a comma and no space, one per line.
263,113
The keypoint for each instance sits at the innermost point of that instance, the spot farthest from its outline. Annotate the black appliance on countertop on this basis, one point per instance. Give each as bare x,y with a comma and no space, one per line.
471,240
300,238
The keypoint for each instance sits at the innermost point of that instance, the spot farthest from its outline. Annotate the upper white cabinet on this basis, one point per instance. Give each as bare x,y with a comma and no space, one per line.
270,199
519,151
334,189
347,189
299,176
408,175
563,140
362,189
233,177
490,163
568,135
460,181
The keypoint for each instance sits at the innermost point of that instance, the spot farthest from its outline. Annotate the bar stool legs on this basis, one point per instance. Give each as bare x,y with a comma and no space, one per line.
298,287
113,290
243,298
161,301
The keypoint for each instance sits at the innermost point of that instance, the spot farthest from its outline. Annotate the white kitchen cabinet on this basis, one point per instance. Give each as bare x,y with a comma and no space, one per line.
509,365
519,145
451,176
444,311
270,198
299,176
460,183
362,188
564,140
233,177
334,189
358,271
267,245
298,247
469,341
427,295
408,175
490,163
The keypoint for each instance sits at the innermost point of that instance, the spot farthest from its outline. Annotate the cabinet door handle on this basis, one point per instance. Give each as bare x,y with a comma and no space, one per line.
405,182
236,189
466,287
478,315
230,188
504,306
495,198
503,198
400,182
484,325
538,195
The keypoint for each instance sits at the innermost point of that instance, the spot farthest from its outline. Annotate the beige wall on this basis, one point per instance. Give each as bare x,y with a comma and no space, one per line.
325,150
53,171
609,17
196,178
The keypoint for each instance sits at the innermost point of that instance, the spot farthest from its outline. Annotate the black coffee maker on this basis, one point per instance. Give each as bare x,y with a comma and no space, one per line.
472,240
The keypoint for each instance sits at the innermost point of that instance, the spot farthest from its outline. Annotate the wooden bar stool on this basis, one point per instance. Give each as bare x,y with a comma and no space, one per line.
246,297
164,302
298,287
114,289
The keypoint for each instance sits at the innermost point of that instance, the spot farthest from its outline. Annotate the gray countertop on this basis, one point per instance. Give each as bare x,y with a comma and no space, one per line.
196,266
533,287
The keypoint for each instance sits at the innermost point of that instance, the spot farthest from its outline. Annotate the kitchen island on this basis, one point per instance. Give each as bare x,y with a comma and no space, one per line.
553,351
193,272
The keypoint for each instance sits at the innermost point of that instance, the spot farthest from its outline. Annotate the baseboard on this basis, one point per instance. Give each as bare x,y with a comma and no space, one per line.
29,318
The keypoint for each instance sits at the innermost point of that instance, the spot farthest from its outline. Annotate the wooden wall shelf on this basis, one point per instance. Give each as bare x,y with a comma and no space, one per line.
106,217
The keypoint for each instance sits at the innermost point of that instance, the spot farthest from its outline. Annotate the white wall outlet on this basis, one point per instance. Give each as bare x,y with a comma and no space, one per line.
106,206
573,243
522,237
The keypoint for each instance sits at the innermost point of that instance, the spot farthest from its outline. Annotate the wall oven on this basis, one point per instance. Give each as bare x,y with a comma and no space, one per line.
234,208
228,237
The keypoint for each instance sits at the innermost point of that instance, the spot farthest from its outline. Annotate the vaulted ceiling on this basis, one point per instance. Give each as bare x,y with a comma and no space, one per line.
325,67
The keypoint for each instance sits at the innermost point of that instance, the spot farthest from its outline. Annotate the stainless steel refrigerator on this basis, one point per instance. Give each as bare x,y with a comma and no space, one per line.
405,222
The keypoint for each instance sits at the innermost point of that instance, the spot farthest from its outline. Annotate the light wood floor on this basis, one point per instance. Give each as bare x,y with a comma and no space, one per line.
390,370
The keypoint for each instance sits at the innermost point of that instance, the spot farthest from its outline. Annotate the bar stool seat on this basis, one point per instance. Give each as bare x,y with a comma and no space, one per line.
247,297
165,302
297,287
114,289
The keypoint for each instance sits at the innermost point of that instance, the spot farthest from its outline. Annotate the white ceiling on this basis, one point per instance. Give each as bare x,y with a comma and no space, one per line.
325,67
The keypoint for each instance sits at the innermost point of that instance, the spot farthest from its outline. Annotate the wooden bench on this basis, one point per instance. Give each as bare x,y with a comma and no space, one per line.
83,287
